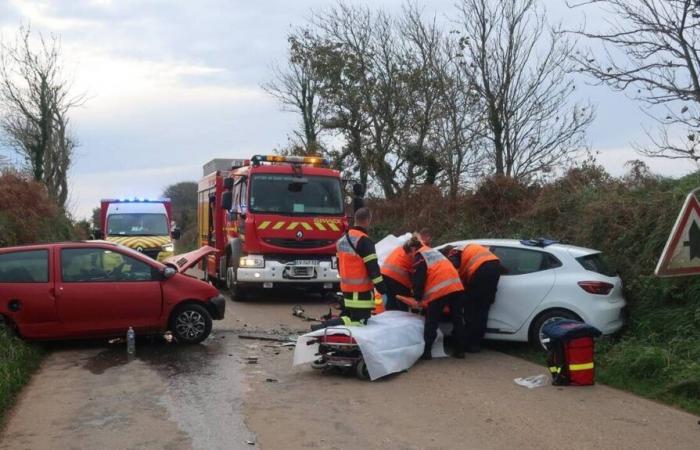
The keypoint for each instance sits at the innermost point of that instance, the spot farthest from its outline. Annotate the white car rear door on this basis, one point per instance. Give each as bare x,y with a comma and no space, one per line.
529,279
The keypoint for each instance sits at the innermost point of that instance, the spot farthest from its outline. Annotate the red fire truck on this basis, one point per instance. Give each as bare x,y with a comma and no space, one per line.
275,220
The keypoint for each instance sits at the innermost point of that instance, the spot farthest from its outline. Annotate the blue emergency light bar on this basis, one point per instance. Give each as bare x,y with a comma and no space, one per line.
135,200
311,160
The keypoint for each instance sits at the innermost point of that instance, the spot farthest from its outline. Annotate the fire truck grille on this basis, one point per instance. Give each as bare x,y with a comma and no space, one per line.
302,272
293,243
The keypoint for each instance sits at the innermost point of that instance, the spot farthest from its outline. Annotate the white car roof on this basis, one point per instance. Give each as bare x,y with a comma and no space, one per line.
554,248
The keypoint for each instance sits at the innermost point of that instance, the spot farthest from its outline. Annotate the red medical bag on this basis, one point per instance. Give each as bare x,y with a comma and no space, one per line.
571,350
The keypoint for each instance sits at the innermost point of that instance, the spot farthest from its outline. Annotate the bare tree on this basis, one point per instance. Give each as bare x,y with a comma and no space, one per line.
651,51
296,88
459,133
519,65
36,100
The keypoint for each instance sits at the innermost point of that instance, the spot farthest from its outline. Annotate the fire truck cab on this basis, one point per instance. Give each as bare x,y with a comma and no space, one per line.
275,220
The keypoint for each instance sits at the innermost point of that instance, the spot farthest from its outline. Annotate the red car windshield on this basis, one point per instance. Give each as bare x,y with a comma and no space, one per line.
285,194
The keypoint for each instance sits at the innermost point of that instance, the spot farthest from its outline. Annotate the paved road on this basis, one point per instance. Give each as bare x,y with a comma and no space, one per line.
91,395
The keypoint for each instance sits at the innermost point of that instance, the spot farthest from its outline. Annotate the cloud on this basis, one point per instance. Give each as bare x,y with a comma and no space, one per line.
614,160
89,189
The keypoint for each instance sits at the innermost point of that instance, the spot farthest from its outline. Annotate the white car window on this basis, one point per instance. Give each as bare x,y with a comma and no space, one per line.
519,261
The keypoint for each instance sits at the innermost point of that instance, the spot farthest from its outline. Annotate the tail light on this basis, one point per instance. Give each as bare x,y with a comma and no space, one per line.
596,287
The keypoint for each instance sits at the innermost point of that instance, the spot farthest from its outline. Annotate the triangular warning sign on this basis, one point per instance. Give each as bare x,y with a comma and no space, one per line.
681,255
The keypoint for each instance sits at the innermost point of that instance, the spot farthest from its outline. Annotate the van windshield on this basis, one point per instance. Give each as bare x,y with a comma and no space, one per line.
283,194
133,224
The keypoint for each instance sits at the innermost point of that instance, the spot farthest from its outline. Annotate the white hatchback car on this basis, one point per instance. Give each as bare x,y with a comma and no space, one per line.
546,281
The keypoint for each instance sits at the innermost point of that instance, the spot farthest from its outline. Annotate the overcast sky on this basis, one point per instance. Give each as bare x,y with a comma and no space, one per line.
174,83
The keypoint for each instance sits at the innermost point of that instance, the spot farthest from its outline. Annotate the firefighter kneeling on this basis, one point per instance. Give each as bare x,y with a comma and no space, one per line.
359,273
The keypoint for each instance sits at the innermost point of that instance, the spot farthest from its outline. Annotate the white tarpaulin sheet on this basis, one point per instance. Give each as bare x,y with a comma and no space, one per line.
390,342
388,244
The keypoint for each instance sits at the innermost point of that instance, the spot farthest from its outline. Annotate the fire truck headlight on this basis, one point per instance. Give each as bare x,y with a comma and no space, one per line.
334,262
256,262
168,247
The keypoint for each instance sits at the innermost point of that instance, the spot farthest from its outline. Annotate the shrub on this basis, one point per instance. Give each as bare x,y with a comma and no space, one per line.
27,214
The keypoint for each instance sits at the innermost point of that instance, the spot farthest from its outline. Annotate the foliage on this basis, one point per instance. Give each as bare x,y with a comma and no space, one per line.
416,103
184,203
28,214
17,362
628,219
35,100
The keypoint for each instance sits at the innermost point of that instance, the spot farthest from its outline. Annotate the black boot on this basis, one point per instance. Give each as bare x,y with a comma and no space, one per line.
427,355
458,353
474,347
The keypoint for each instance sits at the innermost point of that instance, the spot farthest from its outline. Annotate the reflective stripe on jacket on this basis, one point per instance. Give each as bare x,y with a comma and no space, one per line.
442,278
398,267
354,300
353,273
473,256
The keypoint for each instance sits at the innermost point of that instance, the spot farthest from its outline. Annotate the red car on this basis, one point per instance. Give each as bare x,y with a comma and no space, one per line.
100,289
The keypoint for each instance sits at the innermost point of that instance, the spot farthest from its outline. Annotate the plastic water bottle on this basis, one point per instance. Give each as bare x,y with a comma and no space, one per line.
130,341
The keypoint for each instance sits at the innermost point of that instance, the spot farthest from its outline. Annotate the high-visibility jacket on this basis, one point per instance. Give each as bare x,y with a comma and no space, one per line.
442,278
353,272
473,256
398,266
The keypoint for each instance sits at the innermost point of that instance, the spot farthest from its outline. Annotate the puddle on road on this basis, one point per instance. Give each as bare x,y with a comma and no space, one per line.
168,359
204,383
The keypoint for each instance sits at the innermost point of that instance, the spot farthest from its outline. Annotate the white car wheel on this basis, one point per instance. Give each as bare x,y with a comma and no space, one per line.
552,315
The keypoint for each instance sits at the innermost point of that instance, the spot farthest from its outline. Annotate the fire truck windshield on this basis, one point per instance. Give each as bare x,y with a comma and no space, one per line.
284,194
133,224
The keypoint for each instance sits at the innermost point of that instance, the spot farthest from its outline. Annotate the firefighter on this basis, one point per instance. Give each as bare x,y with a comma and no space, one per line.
359,273
436,284
396,271
480,271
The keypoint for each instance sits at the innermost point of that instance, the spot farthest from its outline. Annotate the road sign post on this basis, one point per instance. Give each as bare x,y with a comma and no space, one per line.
681,255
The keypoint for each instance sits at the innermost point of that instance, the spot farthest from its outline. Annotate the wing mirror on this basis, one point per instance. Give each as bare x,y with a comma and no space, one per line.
176,234
98,234
227,200
169,272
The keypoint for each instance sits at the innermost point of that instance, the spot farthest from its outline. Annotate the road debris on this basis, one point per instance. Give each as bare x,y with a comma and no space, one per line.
271,380
298,311
267,338
533,381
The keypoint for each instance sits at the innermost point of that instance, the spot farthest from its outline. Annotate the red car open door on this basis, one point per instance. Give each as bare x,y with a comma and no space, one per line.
102,289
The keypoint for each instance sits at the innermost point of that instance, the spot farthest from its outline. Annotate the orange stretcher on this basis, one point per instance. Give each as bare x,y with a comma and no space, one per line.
410,302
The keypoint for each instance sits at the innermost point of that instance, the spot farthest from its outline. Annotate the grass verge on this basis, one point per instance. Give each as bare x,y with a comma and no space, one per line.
18,360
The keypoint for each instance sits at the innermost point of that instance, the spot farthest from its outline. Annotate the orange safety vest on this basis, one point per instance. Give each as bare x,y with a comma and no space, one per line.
397,266
353,273
442,278
473,256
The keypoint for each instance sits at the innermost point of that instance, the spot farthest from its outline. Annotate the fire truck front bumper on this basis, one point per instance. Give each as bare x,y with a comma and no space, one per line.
290,273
